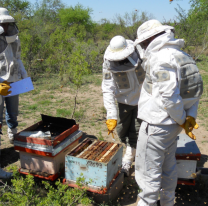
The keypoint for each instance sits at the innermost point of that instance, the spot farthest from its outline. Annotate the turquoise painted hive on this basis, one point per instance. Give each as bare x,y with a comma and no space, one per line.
98,161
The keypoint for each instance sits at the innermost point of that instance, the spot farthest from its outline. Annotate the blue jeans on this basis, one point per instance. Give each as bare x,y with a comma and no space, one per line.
11,111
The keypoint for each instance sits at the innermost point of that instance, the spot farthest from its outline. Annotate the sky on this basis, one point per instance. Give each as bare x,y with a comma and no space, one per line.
160,9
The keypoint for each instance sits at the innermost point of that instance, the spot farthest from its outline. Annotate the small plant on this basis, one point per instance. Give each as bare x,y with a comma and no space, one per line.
100,136
77,68
25,191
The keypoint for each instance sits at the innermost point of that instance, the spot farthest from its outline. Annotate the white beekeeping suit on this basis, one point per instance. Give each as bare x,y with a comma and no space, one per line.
173,85
122,83
122,80
3,46
169,97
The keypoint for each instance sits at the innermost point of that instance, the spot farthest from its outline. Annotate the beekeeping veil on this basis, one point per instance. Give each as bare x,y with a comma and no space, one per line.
3,42
11,31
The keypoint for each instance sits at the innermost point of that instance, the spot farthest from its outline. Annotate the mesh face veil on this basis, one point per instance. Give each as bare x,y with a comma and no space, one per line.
12,29
3,42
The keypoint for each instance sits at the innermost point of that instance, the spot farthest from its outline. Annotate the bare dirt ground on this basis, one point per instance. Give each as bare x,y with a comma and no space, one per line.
92,122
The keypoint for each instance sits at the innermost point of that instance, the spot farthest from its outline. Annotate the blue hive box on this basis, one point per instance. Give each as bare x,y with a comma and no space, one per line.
97,161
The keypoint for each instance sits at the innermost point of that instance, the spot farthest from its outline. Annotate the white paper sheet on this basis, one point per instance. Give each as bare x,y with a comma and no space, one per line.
22,86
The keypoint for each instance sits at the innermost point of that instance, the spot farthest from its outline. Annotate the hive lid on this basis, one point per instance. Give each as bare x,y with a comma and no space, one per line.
59,128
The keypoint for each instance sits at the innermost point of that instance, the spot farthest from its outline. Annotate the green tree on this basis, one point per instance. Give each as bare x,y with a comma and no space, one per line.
77,68
78,19
57,50
47,11
35,34
193,27
15,5
105,29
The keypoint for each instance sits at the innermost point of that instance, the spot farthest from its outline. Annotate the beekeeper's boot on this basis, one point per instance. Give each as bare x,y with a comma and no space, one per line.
5,175
11,133
127,160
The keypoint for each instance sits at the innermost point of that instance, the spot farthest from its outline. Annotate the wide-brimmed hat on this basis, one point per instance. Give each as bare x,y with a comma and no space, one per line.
119,49
150,28
5,17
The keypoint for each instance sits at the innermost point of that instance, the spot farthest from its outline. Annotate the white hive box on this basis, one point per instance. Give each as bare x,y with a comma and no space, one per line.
187,155
52,159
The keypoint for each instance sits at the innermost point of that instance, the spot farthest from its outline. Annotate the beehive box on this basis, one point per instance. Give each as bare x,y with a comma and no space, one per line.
98,161
52,159
187,155
59,127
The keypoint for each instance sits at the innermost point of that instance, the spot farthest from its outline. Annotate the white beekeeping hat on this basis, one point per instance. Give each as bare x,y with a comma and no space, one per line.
150,28
119,49
5,17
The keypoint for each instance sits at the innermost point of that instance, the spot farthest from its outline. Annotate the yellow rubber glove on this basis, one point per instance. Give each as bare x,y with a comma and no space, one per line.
111,124
189,125
4,87
6,82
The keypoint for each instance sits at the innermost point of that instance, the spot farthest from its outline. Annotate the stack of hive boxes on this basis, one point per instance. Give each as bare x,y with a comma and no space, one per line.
44,156
187,156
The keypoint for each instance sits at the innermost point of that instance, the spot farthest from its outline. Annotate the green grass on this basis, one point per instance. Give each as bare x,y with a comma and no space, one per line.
103,110
22,124
43,96
60,100
95,79
98,81
64,113
203,111
35,91
79,114
33,107
45,102
92,123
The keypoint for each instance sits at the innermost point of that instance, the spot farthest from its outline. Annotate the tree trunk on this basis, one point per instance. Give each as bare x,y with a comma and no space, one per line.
75,103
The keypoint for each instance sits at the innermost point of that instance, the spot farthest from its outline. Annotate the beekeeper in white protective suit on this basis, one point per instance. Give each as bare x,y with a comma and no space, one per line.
122,80
11,70
168,102
4,87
